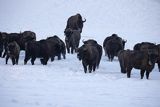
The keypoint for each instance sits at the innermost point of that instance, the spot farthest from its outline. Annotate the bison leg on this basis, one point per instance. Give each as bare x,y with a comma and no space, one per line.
142,73
64,56
94,67
32,60
72,49
123,70
147,74
112,57
17,58
129,72
26,60
85,67
59,56
90,68
45,60
52,58
159,66
7,59
13,61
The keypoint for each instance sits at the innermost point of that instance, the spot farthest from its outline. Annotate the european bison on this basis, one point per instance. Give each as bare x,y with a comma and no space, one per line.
75,22
1,45
20,38
13,51
72,39
99,48
61,50
112,45
145,46
39,49
143,60
90,57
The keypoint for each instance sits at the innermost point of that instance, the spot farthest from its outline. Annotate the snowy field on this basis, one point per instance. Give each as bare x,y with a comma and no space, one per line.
63,83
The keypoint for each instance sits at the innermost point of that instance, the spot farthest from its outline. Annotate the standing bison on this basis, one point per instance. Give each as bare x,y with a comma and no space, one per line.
13,51
112,45
75,22
89,56
99,48
20,38
59,43
145,46
143,60
72,39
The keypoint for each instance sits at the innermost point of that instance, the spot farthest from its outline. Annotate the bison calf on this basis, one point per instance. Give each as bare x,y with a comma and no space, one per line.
13,51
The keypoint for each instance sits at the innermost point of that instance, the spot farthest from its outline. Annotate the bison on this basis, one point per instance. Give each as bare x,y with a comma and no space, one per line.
13,51
75,22
99,47
72,39
145,46
39,49
143,60
20,38
90,57
112,45
61,49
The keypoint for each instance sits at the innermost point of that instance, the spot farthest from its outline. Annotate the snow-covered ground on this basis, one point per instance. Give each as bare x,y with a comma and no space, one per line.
63,83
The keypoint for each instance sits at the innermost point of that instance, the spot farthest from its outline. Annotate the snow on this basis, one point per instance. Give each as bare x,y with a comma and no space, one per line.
63,83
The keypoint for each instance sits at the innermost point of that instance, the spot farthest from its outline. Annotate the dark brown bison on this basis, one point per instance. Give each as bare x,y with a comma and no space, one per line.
90,56
43,49
112,45
145,46
61,49
142,60
1,45
99,48
13,51
72,39
20,38
158,60
75,22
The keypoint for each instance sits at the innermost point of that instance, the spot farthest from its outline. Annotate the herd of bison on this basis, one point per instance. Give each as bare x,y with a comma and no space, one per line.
143,56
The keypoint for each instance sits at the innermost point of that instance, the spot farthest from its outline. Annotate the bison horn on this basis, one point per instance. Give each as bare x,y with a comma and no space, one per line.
83,41
84,20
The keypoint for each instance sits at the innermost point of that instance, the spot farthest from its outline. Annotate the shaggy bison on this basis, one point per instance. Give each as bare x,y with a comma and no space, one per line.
90,57
145,46
13,51
143,60
75,22
62,49
39,49
20,38
99,48
112,45
72,39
